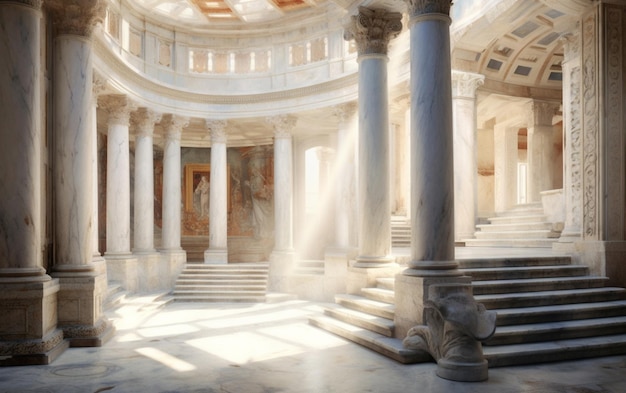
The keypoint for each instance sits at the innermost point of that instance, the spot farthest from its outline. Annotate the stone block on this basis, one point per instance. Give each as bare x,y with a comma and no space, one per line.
359,278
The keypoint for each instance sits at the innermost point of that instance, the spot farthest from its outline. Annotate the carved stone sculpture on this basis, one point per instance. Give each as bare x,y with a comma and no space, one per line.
455,326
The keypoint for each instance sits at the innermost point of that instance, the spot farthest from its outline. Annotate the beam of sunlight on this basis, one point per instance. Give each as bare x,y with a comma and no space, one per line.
254,319
168,330
166,359
305,335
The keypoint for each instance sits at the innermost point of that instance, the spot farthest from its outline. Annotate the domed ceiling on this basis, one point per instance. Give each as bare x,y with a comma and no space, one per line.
199,12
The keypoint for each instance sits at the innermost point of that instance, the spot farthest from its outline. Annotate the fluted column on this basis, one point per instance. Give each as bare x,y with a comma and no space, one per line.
282,256
173,129
143,121
218,195
372,29
345,179
464,85
432,169
540,148
118,109
83,280
25,340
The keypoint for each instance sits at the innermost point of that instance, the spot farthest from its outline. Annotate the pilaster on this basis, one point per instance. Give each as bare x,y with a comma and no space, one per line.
541,165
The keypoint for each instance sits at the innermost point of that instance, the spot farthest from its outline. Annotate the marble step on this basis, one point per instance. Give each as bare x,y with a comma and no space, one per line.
213,287
536,285
561,312
178,293
221,276
224,270
221,298
517,219
531,353
379,294
373,307
315,267
386,283
524,209
550,331
511,243
209,281
535,234
509,273
548,298
390,347
513,262
376,324
528,226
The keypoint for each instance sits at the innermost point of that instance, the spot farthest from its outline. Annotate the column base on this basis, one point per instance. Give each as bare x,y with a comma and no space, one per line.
173,261
28,326
410,294
359,277
122,269
281,268
218,256
80,313
433,269
363,261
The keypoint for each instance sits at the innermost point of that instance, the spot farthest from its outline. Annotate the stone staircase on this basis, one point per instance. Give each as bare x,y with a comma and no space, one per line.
310,266
229,283
400,231
523,226
548,310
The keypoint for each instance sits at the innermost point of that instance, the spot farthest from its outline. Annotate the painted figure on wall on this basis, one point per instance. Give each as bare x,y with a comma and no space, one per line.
202,189
262,193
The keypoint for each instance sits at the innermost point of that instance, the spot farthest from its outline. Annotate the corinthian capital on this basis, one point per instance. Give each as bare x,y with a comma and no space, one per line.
283,125
143,121
36,4
76,17
422,7
118,107
217,128
541,113
345,111
464,84
173,125
372,29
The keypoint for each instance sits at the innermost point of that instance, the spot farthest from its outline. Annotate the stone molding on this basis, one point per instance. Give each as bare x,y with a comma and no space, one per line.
32,346
283,125
575,147
118,108
422,7
173,125
76,17
36,4
217,129
143,121
372,29
464,84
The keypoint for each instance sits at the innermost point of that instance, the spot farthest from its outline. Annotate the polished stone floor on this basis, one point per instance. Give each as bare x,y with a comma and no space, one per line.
252,348
271,348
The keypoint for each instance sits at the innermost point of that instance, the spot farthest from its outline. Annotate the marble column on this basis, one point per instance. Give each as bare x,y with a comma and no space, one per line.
464,86
172,196
143,121
345,181
99,85
121,264
282,256
540,148
83,281
372,29
505,159
218,195
432,269
28,296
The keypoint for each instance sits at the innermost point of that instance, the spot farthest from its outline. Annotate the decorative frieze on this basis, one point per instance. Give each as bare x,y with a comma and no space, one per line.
76,17
372,29
118,108
590,126
421,7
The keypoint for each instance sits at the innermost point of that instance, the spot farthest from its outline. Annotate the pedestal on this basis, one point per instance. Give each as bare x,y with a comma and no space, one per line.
216,256
281,268
122,268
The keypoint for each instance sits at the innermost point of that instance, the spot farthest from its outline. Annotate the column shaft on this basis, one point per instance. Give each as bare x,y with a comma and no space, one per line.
283,195
172,126
505,166
432,188
218,196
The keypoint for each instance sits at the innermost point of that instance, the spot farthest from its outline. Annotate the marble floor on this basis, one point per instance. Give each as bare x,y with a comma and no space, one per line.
270,348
